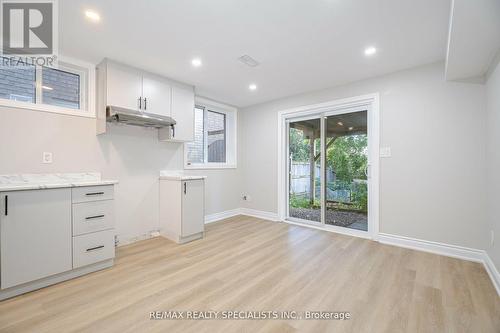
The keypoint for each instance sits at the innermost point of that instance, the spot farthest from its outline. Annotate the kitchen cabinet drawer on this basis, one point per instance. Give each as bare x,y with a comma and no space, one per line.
91,248
92,216
92,193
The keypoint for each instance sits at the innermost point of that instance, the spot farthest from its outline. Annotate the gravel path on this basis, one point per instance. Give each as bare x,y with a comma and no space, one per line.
333,217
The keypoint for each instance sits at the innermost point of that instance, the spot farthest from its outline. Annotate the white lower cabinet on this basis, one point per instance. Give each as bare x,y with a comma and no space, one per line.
51,235
35,229
182,209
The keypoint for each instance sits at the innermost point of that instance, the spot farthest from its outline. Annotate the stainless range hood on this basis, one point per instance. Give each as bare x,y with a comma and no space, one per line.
136,118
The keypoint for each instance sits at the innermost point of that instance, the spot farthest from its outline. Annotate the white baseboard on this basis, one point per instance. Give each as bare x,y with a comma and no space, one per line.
448,250
222,215
241,211
492,272
131,240
259,214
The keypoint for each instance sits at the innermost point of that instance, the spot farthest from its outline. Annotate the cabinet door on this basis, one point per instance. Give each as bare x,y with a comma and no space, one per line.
35,235
193,208
157,96
124,87
183,113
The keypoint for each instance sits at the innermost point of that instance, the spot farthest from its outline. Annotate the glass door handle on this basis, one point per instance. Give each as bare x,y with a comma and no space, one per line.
368,170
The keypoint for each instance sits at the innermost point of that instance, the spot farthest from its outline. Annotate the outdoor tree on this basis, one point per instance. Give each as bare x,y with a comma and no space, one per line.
348,157
299,145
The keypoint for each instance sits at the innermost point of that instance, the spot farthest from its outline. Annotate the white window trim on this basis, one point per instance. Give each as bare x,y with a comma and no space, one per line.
231,143
87,91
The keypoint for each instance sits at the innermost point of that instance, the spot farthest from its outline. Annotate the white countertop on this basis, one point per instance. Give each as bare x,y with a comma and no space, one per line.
179,175
18,182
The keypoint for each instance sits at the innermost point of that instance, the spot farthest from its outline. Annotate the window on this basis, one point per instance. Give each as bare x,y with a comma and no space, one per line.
214,144
18,84
62,90
216,137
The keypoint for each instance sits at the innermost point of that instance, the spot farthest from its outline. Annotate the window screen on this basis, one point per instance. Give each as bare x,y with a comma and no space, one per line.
60,88
18,83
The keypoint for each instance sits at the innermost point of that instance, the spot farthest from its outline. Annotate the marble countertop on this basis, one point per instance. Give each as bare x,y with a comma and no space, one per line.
179,175
18,182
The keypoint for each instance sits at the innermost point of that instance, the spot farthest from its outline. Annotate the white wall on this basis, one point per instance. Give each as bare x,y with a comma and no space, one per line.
493,159
129,154
433,186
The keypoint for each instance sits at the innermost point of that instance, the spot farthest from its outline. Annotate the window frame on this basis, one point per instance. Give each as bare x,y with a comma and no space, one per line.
86,71
230,133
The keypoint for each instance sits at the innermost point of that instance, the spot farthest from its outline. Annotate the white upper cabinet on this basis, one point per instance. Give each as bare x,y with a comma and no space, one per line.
124,87
156,96
131,88
183,113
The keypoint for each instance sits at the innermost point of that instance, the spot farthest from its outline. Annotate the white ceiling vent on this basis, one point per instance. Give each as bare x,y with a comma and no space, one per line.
249,61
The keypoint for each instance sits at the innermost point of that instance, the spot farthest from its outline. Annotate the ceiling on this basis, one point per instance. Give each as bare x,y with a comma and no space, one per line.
474,38
302,45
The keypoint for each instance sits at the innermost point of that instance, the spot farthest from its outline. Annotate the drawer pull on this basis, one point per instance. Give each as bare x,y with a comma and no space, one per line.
94,217
94,193
95,248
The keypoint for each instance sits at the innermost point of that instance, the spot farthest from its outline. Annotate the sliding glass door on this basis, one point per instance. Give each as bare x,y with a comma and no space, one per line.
304,170
346,170
328,168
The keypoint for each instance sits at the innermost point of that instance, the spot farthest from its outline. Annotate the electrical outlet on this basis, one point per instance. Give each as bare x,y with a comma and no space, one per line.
492,240
246,197
46,157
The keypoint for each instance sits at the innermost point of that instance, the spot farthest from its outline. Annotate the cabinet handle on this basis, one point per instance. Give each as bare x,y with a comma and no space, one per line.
6,205
140,103
185,187
94,217
145,103
94,193
173,131
95,248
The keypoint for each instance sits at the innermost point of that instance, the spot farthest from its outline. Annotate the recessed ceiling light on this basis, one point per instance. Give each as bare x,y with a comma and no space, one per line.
196,62
351,128
340,123
47,88
252,87
92,15
369,51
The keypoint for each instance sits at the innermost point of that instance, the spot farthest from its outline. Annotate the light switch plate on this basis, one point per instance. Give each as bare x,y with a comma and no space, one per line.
385,152
46,157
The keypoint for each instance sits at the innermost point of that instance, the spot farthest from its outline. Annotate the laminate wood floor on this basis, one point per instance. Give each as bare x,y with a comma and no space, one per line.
247,264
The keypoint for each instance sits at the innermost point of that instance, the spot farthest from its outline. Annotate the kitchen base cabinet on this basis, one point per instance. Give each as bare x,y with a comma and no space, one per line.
35,232
51,235
182,215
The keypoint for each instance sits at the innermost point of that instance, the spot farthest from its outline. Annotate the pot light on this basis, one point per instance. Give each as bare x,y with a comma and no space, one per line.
92,15
252,87
47,88
351,128
196,62
340,123
369,51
